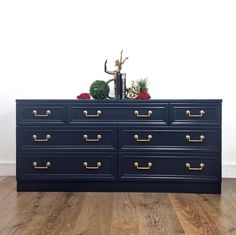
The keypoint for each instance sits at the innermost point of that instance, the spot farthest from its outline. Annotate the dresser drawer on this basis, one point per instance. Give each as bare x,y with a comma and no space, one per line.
51,138
77,166
139,112
151,167
195,114
40,113
152,138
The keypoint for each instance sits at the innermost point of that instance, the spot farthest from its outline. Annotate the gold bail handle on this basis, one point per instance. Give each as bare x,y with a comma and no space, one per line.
149,137
188,165
35,113
148,167
136,113
35,138
35,165
98,165
99,137
202,112
98,113
188,138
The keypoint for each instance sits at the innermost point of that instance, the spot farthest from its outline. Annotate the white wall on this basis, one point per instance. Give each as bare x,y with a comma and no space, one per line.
56,49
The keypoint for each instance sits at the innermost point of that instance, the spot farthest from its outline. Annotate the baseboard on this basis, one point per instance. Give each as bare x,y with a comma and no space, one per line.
229,171
9,169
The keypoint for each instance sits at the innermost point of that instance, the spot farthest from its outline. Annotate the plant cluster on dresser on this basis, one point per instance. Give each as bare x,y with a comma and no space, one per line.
100,89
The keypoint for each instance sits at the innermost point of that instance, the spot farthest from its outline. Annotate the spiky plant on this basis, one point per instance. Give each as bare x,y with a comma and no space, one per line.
143,83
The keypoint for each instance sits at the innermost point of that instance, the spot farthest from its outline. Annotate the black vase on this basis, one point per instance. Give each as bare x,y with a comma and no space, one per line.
120,91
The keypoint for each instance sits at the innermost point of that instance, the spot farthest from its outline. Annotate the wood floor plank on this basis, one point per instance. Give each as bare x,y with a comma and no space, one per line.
158,213
221,211
22,215
222,207
144,213
62,219
30,219
229,190
95,215
7,185
69,215
2,178
137,201
11,205
46,204
125,219
193,217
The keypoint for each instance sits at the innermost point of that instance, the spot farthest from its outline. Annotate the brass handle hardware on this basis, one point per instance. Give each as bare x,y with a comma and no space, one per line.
92,140
35,138
148,167
136,137
188,137
202,112
98,165
41,167
99,112
188,165
48,112
136,113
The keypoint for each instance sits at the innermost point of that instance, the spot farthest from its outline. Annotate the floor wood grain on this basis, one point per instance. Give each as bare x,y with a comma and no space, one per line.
38,213
192,216
2,178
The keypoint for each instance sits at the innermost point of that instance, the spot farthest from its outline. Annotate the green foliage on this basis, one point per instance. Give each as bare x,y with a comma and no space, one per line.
99,89
143,83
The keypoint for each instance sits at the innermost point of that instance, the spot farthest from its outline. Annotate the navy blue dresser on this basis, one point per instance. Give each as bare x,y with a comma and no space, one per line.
119,145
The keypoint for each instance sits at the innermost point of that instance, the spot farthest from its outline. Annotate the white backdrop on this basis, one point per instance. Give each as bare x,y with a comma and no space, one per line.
55,49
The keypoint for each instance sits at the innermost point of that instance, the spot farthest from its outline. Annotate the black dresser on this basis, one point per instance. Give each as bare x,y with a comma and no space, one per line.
119,145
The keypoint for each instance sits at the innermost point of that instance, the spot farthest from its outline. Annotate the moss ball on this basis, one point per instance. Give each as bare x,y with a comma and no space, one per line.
99,89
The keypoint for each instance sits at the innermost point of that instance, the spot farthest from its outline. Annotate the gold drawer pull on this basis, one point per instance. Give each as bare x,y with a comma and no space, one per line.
188,165
136,113
136,137
143,167
92,140
48,112
188,112
41,167
35,138
99,112
188,137
99,164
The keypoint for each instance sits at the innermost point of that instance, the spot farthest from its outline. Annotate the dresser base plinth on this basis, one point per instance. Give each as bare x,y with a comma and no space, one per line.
178,187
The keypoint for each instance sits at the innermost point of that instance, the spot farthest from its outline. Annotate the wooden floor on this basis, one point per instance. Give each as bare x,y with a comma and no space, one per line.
116,213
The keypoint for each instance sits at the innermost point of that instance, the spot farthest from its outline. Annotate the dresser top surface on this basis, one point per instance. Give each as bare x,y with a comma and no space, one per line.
120,101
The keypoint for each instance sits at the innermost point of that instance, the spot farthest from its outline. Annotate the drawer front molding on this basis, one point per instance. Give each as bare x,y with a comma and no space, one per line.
153,138
58,166
154,166
195,114
84,138
41,114
116,113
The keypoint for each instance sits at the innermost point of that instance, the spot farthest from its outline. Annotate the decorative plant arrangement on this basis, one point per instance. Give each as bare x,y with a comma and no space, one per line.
100,89
143,85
